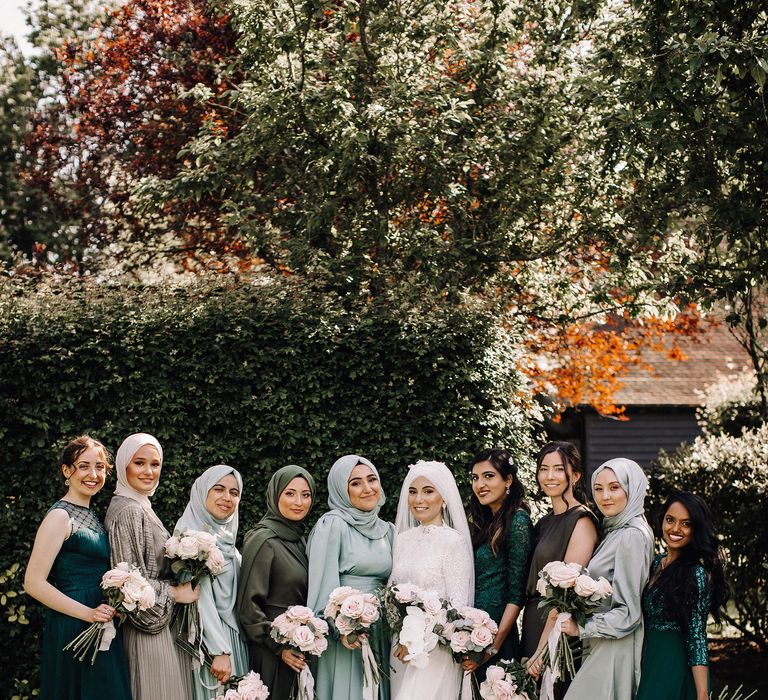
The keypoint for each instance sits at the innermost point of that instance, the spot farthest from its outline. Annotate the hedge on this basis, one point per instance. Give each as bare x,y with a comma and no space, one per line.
256,376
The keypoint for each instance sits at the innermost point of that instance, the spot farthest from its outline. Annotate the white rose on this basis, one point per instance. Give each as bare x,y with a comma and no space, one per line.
172,547
188,548
563,575
604,588
541,587
205,540
585,586
432,604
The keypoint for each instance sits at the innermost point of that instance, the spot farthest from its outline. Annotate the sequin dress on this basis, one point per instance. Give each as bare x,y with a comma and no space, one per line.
76,572
669,651
500,580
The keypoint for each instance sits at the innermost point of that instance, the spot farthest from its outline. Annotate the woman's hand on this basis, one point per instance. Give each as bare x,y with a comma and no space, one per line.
534,665
293,660
356,643
221,668
570,627
468,665
185,593
400,652
101,613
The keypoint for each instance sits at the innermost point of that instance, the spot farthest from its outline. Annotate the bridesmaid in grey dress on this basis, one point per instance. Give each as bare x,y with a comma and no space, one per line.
613,636
159,669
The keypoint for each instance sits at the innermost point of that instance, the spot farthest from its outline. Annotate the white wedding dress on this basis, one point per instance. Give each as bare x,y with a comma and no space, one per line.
434,558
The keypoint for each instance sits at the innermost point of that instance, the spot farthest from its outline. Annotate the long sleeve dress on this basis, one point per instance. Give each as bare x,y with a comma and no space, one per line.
274,577
434,558
339,555
159,669
76,572
670,652
613,636
500,580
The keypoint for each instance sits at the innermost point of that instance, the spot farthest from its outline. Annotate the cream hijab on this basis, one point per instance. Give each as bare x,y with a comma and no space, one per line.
131,445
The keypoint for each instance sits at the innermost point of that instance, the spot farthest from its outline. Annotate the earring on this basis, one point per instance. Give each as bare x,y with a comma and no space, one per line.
507,490
66,482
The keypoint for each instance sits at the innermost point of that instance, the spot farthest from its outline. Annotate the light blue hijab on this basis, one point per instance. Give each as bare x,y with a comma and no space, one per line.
197,517
635,483
367,523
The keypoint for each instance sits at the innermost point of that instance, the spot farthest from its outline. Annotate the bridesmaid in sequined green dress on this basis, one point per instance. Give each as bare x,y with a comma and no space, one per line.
69,557
502,537
686,585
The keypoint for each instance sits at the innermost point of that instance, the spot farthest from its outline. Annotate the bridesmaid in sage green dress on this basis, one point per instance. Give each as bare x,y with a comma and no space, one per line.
71,549
350,546
502,537
274,576
686,585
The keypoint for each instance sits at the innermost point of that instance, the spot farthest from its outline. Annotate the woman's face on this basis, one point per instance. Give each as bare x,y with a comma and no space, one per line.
425,502
555,476
363,488
295,500
143,471
88,474
223,497
489,485
676,527
610,497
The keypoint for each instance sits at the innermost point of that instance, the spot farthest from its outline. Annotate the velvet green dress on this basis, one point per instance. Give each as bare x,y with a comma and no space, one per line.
76,572
669,652
500,580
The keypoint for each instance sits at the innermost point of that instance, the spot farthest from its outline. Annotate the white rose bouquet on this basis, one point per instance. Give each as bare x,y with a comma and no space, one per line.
419,620
299,630
353,613
508,680
569,589
247,687
193,555
125,590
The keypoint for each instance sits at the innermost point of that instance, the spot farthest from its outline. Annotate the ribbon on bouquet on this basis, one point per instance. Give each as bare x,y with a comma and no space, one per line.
552,672
466,686
371,675
108,633
306,684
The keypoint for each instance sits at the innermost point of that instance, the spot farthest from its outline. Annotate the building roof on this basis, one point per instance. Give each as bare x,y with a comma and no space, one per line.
709,356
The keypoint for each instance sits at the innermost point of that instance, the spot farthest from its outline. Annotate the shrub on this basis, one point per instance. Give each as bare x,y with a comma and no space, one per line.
253,376
730,405
731,474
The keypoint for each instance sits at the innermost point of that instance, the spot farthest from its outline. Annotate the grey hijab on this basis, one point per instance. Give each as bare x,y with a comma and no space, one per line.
635,483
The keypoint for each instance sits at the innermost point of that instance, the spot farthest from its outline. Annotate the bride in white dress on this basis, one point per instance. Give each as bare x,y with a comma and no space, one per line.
433,551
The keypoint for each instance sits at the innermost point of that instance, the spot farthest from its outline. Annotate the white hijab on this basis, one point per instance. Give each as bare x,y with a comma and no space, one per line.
441,477
131,445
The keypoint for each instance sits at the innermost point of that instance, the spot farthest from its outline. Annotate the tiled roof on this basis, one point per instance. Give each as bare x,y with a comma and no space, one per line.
712,354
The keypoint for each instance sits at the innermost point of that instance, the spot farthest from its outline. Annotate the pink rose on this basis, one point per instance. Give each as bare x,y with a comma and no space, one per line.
172,547
300,613
303,637
481,637
494,673
215,561
188,548
405,592
353,606
564,575
541,586
132,590
505,690
321,644
114,578
205,540
370,614
340,593
432,604
476,615
460,641
321,626
148,598
604,588
344,626
252,687
585,586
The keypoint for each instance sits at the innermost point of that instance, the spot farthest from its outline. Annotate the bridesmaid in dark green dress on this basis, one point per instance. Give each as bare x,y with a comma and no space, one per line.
502,537
273,576
686,585
69,557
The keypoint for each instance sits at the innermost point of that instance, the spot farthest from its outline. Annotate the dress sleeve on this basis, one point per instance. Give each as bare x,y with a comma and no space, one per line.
215,637
254,592
696,635
457,567
519,546
127,542
631,566
324,550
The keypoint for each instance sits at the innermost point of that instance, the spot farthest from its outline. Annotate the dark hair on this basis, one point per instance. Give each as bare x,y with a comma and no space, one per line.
677,582
485,526
569,453
79,445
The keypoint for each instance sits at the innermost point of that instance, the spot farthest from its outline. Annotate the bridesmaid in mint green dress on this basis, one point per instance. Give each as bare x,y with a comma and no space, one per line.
69,557
502,537
350,546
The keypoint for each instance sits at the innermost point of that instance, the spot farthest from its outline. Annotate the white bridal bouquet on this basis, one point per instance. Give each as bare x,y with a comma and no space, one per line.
569,589
193,555
299,630
125,590
508,680
419,620
248,687
353,613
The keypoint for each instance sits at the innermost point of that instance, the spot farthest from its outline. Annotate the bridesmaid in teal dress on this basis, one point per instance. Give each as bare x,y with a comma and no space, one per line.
69,557
350,546
686,585
502,537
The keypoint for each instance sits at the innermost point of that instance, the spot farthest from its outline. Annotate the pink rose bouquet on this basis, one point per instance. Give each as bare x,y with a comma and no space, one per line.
353,613
569,589
247,687
299,630
125,590
193,555
473,632
508,680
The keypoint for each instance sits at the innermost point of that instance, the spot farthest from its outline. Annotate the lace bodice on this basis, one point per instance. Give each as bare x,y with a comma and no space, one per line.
435,558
